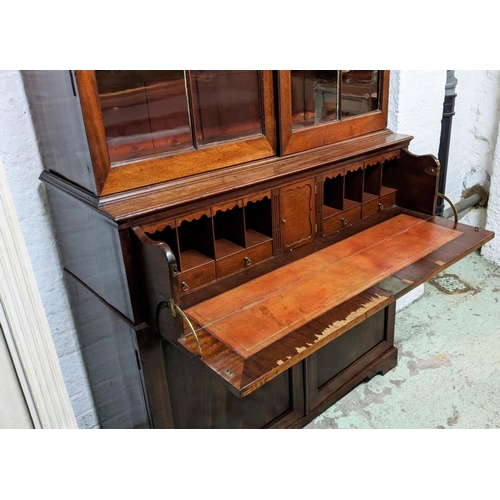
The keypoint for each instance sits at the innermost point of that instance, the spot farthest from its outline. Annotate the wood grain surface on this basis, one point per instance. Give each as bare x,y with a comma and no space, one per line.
255,314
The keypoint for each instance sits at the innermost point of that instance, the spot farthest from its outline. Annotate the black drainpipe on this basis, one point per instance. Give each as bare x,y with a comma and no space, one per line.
444,143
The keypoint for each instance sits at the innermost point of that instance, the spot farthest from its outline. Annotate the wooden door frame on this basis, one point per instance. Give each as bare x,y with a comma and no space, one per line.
112,178
25,325
293,141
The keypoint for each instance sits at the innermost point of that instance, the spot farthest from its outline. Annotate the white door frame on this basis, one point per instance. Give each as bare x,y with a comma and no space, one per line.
25,325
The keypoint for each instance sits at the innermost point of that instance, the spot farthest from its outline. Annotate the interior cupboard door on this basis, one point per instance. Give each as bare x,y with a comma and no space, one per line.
321,107
297,202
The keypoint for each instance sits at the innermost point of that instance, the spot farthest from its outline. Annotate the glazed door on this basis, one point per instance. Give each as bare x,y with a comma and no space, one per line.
146,127
320,107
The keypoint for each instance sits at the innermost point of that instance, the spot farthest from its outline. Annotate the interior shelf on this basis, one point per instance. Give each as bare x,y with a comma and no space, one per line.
196,242
192,258
258,222
369,197
384,190
348,204
225,248
255,238
330,212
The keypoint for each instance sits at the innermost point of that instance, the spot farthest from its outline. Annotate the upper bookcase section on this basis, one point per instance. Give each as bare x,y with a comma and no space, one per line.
111,131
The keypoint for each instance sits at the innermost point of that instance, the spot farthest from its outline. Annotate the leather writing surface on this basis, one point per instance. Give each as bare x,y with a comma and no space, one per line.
259,312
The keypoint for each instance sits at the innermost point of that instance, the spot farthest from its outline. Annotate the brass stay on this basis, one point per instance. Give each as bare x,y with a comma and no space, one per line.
174,309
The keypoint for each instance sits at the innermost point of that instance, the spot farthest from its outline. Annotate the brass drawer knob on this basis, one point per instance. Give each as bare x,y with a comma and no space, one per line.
283,221
248,262
380,206
344,221
185,286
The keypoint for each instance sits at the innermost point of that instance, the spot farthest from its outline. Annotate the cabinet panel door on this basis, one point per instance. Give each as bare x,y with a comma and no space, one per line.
200,401
321,107
342,361
297,204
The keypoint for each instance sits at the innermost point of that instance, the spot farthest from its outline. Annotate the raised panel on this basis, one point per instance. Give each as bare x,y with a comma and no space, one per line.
344,350
297,214
201,401
341,362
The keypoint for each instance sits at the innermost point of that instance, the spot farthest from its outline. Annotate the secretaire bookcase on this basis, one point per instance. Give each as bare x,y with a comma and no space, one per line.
234,242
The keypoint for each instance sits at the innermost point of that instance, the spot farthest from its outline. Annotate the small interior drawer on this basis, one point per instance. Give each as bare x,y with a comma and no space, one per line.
244,259
197,277
336,222
372,207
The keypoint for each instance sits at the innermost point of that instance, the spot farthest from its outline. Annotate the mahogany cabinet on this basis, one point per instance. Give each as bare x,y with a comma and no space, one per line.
234,241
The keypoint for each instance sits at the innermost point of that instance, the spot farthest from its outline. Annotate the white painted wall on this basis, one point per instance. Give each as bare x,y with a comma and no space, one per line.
474,153
415,109
474,157
474,131
492,249
23,164
473,137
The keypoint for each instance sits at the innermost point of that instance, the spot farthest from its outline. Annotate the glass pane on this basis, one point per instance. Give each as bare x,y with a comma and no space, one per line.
144,112
360,91
314,97
226,105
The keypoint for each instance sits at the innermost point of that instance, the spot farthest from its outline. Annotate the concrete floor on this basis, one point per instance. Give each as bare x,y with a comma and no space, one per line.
448,373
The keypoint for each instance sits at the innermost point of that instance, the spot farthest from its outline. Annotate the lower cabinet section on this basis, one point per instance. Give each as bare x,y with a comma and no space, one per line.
139,380
292,399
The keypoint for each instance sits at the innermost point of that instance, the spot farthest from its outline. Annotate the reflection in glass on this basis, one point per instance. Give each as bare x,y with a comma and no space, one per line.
314,97
144,112
226,105
360,91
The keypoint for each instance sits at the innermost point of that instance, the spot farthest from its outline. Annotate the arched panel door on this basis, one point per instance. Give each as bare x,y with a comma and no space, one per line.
297,213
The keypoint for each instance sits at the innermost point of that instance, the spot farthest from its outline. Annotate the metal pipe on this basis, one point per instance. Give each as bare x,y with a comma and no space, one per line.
463,205
444,143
